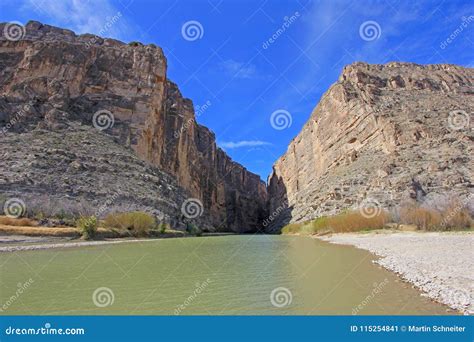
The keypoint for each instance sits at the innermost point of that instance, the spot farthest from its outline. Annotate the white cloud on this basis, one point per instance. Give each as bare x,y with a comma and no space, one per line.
238,69
243,143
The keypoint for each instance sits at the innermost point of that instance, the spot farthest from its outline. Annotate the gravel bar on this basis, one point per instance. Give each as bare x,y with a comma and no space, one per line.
441,265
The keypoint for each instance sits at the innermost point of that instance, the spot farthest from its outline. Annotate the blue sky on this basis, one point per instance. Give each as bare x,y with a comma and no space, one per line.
231,65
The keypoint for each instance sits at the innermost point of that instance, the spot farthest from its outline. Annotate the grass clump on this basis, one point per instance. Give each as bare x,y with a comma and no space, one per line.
87,226
19,222
138,222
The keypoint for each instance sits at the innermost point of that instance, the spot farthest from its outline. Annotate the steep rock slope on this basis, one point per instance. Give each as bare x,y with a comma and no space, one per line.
381,134
54,81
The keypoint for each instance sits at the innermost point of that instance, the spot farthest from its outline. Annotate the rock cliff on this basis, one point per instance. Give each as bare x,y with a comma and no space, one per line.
382,134
55,86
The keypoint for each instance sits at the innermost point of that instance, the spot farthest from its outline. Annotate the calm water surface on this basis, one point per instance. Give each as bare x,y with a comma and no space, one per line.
207,275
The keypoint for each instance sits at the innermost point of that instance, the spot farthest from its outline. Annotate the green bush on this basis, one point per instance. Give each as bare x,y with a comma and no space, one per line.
140,223
192,229
162,227
87,226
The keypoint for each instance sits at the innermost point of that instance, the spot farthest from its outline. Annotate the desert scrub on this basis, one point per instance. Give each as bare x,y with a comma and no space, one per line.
348,221
138,222
453,216
87,225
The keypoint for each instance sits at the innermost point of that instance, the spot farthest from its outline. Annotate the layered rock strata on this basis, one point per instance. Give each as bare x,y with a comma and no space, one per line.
53,81
381,134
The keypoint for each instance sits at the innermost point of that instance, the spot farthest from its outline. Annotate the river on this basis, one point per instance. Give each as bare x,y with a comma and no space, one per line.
222,275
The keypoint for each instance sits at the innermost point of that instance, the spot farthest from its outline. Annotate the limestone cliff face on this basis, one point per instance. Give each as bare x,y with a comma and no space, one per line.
382,133
64,79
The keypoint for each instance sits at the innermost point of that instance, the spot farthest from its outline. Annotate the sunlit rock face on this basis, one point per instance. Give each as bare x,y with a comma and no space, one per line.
382,133
53,80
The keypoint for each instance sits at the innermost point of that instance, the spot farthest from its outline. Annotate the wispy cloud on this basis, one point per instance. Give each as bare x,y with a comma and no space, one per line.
243,143
81,16
238,69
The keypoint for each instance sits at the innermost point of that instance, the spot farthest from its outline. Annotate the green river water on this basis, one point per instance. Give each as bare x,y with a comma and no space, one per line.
222,275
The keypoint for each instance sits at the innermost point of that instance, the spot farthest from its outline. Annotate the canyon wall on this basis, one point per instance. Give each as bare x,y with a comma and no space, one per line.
54,81
381,134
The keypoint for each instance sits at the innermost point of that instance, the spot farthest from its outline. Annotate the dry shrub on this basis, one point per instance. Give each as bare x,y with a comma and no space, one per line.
354,221
453,216
140,223
292,228
19,222
423,218
350,221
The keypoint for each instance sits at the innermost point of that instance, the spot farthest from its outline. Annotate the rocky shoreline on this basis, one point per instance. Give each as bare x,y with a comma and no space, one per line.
439,264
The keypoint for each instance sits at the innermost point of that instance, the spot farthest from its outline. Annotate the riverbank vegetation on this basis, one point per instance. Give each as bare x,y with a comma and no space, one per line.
349,221
453,216
134,224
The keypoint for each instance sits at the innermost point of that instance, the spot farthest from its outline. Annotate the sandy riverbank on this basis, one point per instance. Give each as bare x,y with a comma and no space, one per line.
439,264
